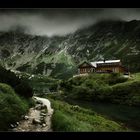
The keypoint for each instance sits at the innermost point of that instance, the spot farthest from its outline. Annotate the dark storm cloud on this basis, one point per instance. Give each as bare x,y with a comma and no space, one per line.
60,21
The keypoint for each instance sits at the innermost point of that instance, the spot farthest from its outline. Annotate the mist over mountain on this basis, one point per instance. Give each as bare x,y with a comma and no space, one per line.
61,21
58,56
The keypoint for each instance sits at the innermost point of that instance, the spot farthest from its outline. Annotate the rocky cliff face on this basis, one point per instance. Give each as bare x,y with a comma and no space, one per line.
58,56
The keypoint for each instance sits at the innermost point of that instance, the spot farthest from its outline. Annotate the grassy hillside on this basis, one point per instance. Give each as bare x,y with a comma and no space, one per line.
112,88
98,102
128,116
15,98
58,56
12,107
74,119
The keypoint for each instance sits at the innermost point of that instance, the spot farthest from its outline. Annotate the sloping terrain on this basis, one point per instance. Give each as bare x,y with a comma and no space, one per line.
58,56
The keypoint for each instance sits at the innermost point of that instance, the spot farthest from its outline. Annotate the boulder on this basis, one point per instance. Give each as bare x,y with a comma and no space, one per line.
26,117
44,124
42,120
38,107
43,114
75,108
12,126
38,102
17,123
36,121
43,106
44,110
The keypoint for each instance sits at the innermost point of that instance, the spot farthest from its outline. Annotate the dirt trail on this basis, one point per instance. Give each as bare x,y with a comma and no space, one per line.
38,118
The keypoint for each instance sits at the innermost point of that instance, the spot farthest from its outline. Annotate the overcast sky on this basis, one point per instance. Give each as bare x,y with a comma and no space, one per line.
61,21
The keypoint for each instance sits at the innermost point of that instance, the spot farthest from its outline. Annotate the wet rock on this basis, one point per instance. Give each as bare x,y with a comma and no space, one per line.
36,121
43,114
12,126
42,119
75,108
20,129
44,124
43,106
26,117
44,111
38,107
38,102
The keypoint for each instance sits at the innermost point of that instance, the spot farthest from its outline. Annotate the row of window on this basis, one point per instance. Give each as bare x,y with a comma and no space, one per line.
86,70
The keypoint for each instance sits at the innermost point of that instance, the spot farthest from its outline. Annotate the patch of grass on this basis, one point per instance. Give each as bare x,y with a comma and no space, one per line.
66,118
12,107
128,115
126,93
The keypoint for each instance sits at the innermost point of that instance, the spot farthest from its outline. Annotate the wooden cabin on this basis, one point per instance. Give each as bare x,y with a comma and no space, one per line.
86,67
108,66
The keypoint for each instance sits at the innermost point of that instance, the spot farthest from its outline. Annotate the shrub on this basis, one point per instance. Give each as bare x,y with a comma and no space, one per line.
126,93
82,93
104,93
23,89
115,78
8,77
61,122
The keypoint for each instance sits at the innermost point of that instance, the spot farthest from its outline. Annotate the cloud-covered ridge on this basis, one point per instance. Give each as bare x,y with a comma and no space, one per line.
60,21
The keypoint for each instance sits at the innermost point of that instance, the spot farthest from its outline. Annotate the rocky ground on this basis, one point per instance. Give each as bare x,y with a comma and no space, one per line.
38,118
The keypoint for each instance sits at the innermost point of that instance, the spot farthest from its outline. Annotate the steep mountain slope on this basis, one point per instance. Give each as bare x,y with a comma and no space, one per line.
109,40
58,56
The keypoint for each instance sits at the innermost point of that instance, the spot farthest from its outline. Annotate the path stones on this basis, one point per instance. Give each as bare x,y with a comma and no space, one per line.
38,107
12,126
38,118
26,117
44,125
43,114
36,121
43,106
39,102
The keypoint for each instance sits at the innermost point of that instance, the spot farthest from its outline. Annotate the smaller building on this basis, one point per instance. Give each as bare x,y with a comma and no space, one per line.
108,66
86,67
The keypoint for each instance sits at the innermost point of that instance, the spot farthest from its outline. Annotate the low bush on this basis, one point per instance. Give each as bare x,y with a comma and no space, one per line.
115,78
126,93
21,87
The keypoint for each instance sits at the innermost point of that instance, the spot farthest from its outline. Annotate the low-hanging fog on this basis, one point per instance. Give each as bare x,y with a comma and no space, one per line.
61,21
